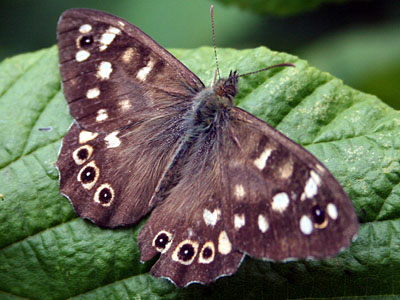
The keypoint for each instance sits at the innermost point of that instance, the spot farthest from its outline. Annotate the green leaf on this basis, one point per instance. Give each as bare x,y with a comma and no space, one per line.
278,7
47,252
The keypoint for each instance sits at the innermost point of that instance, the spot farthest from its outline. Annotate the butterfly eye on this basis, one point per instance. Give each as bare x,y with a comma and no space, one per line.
318,214
86,40
104,194
88,174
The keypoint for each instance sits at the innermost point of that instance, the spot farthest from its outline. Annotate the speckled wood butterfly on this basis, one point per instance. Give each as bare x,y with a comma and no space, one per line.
148,137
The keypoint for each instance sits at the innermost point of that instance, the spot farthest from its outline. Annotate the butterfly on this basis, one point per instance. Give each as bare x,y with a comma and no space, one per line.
149,137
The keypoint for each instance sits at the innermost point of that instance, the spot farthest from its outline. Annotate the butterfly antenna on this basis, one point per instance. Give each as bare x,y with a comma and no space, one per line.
213,36
267,68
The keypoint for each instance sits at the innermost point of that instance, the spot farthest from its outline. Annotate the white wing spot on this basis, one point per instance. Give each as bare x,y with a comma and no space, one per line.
280,202
121,23
82,55
125,105
112,140
311,188
86,136
263,224
211,218
239,191
261,162
108,37
316,177
224,245
85,28
306,226
332,211
239,221
143,72
101,115
104,70
93,93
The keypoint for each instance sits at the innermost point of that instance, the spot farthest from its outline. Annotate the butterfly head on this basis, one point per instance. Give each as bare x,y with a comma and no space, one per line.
226,88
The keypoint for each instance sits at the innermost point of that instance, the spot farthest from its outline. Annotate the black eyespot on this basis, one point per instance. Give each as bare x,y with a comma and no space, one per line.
161,240
88,174
83,154
86,40
318,214
186,252
207,252
105,195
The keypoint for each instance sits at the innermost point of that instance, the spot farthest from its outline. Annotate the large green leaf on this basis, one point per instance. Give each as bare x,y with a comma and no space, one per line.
46,252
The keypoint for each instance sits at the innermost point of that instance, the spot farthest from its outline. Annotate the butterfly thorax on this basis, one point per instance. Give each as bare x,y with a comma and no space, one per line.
213,104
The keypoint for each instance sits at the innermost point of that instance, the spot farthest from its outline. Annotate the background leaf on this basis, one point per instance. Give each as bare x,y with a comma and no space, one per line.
46,252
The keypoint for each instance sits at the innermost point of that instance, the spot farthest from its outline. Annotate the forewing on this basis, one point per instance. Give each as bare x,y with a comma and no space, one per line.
280,202
187,227
115,75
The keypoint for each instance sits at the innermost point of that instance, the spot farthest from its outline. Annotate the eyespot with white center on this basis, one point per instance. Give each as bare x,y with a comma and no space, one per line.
319,217
104,195
224,244
306,225
162,241
82,154
207,253
85,41
185,252
88,175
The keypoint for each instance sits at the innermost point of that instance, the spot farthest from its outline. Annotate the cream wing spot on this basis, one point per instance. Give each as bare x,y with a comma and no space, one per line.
311,188
239,191
280,202
104,195
125,105
87,136
85,28
263,224
93,93
82,55
101,115
143,72
287,170
108,37
261,161
306,225
88,175
185,252
207,253
224,244
332,211
127,55
112,140
239,221
211,218
82,154
104,70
